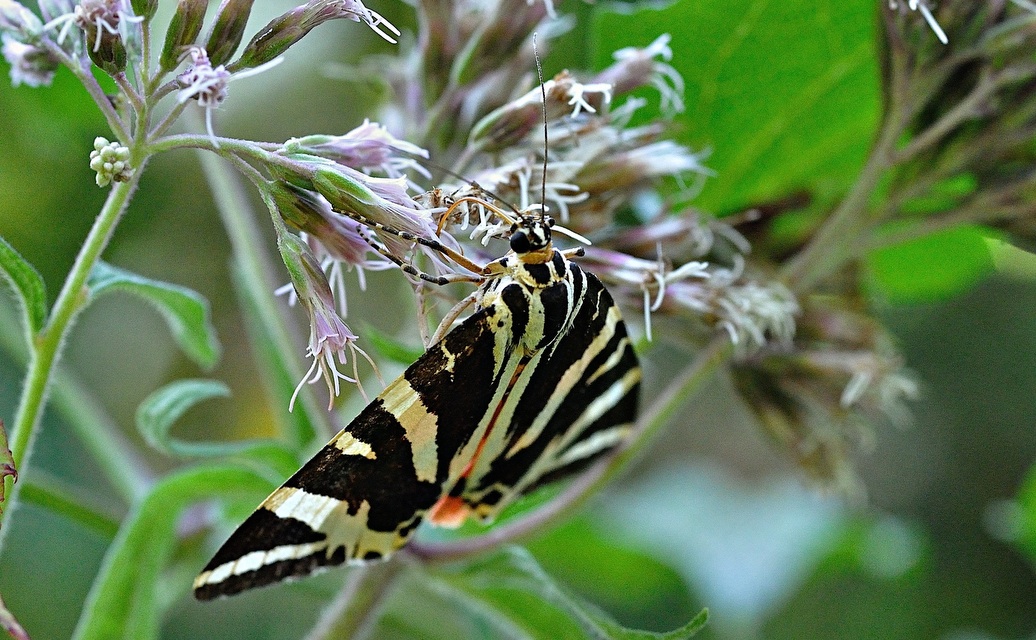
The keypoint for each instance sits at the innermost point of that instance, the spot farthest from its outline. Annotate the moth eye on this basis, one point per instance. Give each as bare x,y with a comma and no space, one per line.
520,243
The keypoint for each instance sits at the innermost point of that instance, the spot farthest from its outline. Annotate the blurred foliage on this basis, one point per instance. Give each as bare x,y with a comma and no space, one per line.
786,95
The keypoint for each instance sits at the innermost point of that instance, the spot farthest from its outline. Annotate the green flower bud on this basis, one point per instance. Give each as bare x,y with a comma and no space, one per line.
183,30
144,8
111,161
227,30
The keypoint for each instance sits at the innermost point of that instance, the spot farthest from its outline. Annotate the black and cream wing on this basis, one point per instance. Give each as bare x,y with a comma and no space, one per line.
364,493
578,402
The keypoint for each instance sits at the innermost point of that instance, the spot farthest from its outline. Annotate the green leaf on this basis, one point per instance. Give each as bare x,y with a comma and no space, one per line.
123,601
1011,260
935,267
71,502
28,285
785,96
513,593
185,311
638,588
157,414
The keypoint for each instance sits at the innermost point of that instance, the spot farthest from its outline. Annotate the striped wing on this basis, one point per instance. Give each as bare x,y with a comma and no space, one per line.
574,401
364,493
472,424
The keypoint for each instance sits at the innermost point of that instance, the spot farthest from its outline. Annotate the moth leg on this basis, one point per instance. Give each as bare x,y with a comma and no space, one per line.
435,245
452,316
578,252
459,201
411,269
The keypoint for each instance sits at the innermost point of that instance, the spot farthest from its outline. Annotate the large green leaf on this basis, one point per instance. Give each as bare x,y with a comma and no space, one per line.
512,593
935,267
185,311
27,284
638,588
157,414
123,602
785,94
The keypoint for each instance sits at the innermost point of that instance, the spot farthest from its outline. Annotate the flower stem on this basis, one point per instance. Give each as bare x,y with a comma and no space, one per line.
51,338
355,609
651,421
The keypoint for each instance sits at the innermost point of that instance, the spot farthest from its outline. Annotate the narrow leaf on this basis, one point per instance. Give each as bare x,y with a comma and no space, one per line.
185,311
27,284
72,503
10,625
503,583
7,467
157,414
123,602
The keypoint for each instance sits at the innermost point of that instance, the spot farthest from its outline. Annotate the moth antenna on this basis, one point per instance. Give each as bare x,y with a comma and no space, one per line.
546,145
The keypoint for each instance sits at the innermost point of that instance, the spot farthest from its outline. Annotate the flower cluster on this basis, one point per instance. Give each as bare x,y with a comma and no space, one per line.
111,161
816,395
472,138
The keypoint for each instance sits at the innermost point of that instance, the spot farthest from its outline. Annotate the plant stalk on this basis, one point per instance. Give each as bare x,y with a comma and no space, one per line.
49,341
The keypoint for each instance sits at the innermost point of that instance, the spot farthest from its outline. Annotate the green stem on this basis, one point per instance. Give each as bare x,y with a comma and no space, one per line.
48,343
356,608
651,421
115,456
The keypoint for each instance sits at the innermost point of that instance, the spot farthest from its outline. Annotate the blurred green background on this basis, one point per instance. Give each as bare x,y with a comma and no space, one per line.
786,95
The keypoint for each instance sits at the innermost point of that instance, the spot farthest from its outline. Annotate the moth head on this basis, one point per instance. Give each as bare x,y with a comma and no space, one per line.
531,234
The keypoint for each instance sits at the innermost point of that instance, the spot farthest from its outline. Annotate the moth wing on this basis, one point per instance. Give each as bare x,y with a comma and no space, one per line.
363,494
579,402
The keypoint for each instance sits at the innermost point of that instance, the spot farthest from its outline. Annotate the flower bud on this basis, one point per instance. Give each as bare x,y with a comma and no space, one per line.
368,146
329,337
144,8
111,161
290,27
511,123
183,30
16,19
100,21
227,30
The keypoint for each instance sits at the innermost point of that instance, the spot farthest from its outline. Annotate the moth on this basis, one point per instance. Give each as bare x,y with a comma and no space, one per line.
536,382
